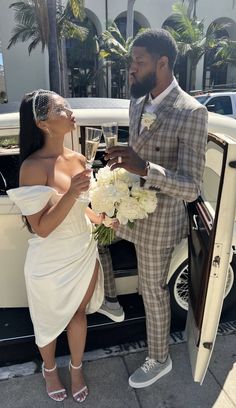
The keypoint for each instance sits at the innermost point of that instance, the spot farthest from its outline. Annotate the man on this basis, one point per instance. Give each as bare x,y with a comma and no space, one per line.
167,149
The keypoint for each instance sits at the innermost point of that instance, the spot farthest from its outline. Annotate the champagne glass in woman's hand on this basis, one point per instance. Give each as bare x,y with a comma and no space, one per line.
92,140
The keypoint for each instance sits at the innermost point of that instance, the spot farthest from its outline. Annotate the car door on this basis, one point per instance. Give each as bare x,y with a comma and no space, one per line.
221,104
212,218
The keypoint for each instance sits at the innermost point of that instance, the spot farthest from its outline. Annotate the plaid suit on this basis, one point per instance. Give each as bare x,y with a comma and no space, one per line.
175,147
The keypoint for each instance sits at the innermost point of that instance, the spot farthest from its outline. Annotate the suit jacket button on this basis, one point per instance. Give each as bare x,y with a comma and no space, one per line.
157,148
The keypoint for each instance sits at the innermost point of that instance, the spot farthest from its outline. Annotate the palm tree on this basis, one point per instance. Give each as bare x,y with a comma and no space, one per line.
32,23
193,42
114,48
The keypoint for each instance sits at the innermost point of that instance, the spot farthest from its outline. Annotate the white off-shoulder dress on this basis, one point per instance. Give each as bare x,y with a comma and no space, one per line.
58,268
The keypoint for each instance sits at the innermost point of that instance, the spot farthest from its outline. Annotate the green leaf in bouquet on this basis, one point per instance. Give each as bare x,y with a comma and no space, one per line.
104,235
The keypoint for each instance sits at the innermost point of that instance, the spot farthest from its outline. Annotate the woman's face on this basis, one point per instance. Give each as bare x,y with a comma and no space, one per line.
60,116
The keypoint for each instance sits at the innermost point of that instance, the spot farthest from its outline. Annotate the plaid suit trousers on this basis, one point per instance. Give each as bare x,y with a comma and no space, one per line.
109,279
153,267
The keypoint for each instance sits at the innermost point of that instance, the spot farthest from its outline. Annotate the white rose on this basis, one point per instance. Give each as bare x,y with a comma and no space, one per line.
129,210
104,176
148,202
103,199
126,177
122,188
148,119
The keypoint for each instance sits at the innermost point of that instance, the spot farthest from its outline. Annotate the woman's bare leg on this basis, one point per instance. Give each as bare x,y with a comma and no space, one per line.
76,333
53,382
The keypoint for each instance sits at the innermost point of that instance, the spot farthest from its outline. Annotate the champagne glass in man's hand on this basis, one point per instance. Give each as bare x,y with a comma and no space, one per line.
110,133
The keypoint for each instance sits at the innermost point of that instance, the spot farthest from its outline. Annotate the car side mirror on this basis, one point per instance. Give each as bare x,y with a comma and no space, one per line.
211,108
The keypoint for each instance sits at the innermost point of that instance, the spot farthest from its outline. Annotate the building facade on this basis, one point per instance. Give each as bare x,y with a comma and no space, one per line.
23,73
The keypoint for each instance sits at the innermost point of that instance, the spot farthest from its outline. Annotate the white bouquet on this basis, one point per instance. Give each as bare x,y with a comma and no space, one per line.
118,194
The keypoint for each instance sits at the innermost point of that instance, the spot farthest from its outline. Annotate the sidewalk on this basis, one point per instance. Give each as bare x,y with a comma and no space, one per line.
107,379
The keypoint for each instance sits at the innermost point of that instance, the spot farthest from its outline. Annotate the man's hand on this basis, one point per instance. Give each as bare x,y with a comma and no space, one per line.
126,158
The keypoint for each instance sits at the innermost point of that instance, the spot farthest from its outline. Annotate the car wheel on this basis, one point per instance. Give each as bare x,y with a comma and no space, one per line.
230,290
178,287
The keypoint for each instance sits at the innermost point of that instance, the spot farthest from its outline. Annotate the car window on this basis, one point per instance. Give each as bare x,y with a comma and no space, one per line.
201,99
211,175
220,104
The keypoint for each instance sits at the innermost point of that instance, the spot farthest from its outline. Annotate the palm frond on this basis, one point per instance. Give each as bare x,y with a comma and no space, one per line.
31,18
24,12
112,43
72,30
115,32
33,44
23,33
77,8
104,54
226,52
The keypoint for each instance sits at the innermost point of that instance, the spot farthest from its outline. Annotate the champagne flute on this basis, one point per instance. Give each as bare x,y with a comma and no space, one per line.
92,140
110,132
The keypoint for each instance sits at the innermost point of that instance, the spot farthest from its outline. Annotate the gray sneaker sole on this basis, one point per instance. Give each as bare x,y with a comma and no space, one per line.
116,319
154,379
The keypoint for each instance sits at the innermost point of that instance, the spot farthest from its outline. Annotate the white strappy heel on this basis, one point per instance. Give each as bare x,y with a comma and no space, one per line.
83,390
52,394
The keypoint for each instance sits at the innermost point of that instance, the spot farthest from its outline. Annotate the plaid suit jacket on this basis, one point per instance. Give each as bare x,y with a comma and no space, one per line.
175,147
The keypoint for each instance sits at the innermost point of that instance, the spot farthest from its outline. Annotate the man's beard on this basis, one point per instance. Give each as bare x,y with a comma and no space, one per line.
143,87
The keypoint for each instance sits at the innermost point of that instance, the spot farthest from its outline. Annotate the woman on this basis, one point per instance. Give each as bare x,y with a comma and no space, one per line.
62,271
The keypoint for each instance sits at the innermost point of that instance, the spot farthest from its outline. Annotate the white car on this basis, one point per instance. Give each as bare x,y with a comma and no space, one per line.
223,103
212,260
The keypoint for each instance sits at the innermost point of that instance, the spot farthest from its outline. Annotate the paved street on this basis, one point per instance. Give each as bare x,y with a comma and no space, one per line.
107,372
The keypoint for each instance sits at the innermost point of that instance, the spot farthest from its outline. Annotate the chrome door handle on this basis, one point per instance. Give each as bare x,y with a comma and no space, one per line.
195,227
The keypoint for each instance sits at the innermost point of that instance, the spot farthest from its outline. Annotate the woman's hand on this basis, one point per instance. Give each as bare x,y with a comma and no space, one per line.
94,218
79,183
111,222
99,219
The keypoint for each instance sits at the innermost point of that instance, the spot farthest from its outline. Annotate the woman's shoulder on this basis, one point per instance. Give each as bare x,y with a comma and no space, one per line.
32,171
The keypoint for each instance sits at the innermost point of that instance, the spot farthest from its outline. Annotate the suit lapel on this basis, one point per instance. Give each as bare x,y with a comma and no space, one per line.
162,111
136,118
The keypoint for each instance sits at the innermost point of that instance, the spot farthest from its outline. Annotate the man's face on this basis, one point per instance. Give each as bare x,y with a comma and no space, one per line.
142,72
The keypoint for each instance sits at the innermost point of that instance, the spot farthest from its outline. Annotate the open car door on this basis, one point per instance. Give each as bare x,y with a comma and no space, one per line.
212,218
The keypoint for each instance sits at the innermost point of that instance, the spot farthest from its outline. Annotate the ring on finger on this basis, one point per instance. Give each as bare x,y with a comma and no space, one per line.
119,159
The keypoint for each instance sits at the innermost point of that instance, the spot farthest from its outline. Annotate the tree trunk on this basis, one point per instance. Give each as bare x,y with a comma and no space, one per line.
193,77
54,71
63,68
130,19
